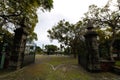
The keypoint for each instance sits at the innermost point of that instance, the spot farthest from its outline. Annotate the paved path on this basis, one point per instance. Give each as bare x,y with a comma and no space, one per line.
56,68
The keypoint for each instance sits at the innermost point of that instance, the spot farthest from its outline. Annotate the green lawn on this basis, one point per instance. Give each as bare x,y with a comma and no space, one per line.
117,63
56,68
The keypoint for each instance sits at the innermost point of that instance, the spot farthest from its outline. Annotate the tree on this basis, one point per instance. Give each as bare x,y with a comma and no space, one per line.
51,49
6,38
107,18
104,34
32,37
61,32
38,50
68,34
22,13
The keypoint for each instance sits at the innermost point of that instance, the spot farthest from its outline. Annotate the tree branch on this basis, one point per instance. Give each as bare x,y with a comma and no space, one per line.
10,15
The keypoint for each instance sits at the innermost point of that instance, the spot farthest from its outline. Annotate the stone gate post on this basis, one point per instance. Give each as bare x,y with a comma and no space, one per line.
19,43
92,48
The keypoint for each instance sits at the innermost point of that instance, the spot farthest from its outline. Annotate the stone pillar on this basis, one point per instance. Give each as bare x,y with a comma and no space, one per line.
92,48
17,55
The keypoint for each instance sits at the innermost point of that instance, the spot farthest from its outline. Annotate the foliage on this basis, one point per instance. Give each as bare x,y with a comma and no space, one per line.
104,34
61,32
6,38
6,35
105,18
117,63
51,49
31,37
68,34
38,50
67,51
22,12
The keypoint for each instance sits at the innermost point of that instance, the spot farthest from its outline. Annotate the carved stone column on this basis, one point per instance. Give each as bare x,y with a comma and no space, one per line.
92,48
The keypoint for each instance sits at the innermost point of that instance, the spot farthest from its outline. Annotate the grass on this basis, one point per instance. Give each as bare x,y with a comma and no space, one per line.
62,60
117,63
66,68
4,71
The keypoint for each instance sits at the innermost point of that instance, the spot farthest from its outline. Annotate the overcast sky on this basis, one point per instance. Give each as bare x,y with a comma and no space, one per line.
70,10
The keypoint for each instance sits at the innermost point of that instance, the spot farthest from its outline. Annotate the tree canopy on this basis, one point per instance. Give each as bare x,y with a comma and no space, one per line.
22,13
51,49
68,34
105,18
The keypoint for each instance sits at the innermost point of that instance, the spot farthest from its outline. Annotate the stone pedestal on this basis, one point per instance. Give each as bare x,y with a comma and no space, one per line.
106,65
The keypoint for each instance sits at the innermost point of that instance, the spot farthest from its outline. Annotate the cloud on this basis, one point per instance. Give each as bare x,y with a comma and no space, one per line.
70,10
45,22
